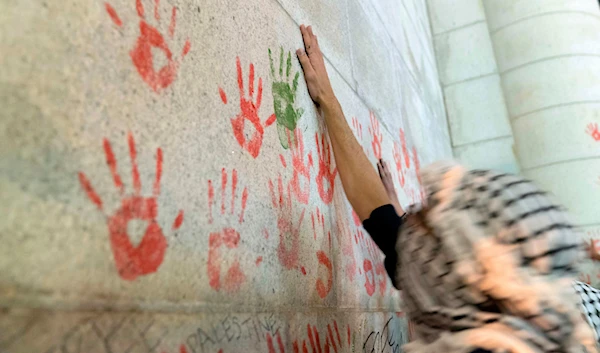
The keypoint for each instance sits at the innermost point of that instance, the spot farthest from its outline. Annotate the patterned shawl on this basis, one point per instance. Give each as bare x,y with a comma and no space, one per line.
489,264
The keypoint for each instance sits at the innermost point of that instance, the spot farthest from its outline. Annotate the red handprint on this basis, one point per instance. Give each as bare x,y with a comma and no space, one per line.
376,136
248,111
133,261
151,38
301,167
228,236
288,255
326,176
323,288
592,130
345,240
398,161
404,149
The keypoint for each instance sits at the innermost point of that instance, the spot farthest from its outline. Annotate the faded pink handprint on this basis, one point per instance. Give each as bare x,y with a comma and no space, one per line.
326,176
300,183
376,136
592,130
398,162
288,231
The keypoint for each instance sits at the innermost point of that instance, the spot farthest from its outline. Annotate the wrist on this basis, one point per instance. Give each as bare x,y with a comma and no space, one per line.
328,101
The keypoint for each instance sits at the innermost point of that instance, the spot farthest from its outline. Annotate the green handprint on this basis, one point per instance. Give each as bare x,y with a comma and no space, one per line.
284,96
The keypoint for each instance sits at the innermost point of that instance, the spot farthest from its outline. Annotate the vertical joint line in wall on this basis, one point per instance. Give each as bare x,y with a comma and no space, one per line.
354,84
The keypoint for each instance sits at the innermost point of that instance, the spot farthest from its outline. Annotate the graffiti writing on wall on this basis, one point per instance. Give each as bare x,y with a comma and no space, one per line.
133,260
284,99
248,113
151,39
387,339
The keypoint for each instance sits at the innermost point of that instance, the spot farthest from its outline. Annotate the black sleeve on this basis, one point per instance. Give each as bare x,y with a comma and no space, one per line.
383,226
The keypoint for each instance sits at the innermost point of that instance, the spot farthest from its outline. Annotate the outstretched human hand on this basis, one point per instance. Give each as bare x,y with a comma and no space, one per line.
313,65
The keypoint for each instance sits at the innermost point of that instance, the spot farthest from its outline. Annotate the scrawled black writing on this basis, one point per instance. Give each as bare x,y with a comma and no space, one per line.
232,328
386,340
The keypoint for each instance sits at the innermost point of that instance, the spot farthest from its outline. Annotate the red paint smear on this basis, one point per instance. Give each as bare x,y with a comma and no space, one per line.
270,343
173,22
112,165
301,170
325,175
211,197
259,260
295,347
143,61
156,13
331,338
398,162
271,118
113,14
249,112
178,220
133,261
348,335
381,273
139,7
280,343
304,349
182,349
159,165
369,284
303,270
234,276
404,149
312,218
282,160
137,184
337,332
223,187
376,137
323,289
317,340
234,181
223,95
310,338
244,200
89,190
186,48
251,81
266,232
356,218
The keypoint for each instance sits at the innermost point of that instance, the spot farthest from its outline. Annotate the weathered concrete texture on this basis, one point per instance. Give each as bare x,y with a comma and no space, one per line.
147,194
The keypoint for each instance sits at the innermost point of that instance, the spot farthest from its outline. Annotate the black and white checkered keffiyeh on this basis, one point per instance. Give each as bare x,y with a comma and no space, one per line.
590,305
489,264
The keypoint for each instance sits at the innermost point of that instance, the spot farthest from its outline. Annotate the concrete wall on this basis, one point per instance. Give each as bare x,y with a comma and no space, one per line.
477,114
549,59
141,171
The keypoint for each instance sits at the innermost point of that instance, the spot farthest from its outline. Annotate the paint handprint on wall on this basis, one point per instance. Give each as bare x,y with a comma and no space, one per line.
284,99
150,42
248,113
145,258
227,238
593,131
301,164
288,250
326,176
376,136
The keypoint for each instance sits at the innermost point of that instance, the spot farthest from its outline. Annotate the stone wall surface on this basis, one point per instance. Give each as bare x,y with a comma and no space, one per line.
154,202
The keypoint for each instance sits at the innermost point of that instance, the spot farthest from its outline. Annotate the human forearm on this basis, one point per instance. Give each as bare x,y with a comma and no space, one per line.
361,183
